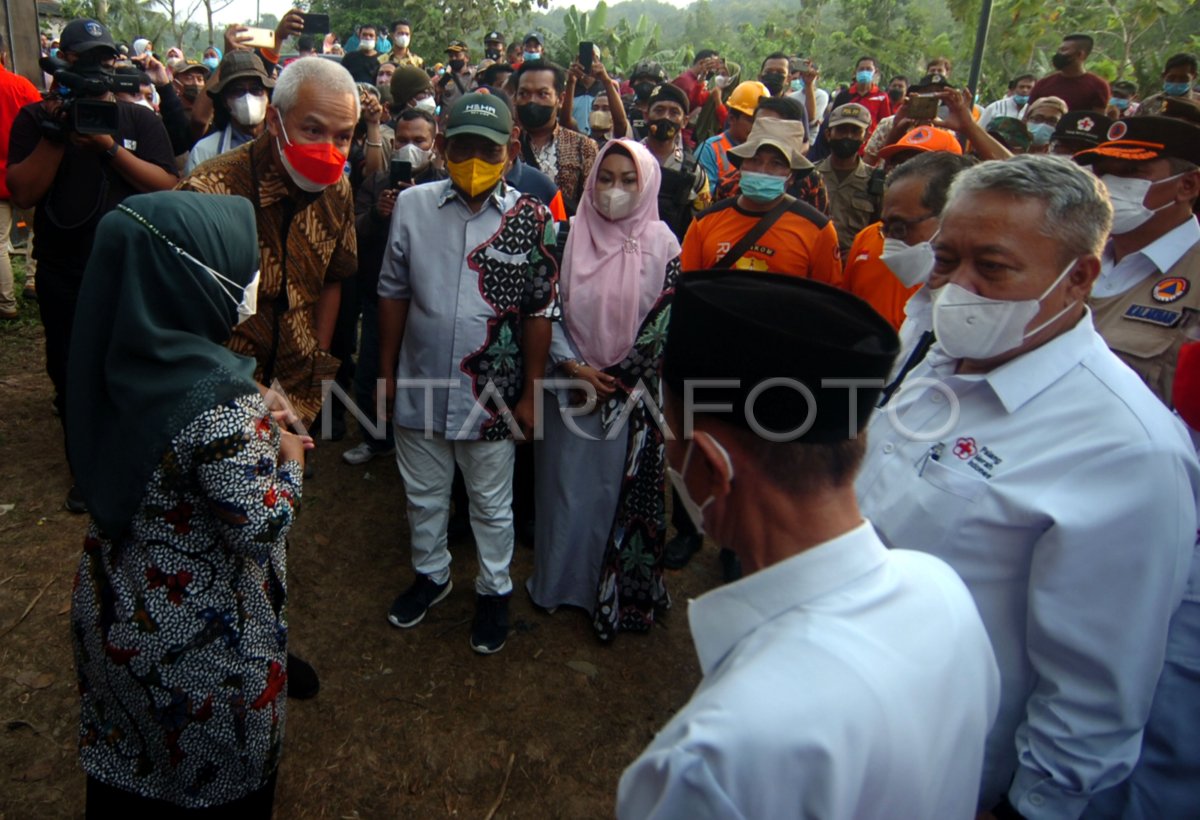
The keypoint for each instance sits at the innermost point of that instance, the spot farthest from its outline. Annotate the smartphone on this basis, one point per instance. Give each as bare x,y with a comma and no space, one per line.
923,107
587,52
316,24
401,172
258,38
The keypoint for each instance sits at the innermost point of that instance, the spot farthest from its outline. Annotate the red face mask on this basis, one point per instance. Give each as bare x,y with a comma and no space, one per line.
313,166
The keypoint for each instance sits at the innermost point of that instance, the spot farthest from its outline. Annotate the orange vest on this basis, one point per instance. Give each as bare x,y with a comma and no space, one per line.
871,280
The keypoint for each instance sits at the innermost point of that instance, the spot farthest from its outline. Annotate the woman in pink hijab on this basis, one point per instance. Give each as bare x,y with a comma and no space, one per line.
599,466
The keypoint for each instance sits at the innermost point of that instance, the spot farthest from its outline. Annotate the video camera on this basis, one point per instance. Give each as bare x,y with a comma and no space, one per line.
78,89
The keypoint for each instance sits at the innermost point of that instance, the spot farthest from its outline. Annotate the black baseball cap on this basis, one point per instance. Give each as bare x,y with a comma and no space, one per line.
84,35
1140,139
493,37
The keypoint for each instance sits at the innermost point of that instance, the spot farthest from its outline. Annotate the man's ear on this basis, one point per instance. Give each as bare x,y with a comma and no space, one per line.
273,121
514,145
710,472
1082,277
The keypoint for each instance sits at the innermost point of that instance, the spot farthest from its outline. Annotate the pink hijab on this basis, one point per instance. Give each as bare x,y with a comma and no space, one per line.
613,272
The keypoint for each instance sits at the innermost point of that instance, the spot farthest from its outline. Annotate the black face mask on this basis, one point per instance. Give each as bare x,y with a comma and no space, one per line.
845,147
774,81
534,115
1061,61
643,90
492,54
662,129
457,65
895,94
191,92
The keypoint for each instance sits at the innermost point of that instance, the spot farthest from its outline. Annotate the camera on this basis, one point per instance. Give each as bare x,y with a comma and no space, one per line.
78,90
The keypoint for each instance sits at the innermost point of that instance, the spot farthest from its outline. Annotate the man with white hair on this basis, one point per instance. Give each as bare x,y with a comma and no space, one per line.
1028,457
294,173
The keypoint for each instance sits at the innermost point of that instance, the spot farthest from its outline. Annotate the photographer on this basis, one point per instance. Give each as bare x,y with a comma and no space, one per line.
73,179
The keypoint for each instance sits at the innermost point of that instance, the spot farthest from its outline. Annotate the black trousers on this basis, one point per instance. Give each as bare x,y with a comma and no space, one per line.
58,293
105,802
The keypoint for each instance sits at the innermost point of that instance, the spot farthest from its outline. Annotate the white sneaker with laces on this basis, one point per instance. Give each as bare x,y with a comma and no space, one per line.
362,453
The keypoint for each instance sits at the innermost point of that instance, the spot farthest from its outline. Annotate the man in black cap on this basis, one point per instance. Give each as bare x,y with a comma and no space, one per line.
684,188
1146,299
534,48
459,77
493,46
1078,131
810,659
73,179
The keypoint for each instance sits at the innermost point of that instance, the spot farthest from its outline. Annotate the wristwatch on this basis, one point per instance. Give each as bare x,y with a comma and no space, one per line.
111,153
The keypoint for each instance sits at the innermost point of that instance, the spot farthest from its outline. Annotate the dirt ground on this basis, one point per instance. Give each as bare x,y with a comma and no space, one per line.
408,723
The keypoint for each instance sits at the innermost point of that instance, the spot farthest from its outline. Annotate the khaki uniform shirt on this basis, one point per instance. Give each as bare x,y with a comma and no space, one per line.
850,206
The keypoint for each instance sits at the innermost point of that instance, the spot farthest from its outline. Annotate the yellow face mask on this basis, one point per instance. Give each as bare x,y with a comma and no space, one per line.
475,176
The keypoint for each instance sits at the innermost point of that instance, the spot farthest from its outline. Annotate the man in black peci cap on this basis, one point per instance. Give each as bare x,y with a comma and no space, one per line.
809,660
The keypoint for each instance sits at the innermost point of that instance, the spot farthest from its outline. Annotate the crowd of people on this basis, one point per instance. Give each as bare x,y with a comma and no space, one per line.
924,371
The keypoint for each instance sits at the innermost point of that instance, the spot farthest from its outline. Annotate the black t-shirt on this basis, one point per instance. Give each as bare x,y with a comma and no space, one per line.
86,186
362,68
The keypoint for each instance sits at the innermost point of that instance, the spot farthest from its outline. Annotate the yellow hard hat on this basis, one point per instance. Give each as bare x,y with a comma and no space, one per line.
745,97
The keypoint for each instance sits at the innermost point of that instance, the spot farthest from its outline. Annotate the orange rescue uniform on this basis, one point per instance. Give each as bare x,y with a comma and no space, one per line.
871,280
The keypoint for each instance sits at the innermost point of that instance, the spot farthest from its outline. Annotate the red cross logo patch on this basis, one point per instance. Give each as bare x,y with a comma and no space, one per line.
964,448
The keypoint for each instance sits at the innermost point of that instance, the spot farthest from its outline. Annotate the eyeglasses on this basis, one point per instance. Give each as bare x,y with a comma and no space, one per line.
897,228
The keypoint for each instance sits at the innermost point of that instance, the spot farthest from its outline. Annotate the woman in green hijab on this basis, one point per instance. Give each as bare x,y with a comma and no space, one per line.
178,613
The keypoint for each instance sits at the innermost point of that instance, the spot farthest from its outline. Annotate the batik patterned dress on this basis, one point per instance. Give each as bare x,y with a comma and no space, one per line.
179,626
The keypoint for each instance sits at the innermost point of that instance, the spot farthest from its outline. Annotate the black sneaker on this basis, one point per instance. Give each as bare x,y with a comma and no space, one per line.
680,549
410,607
75,502
490,629
302,680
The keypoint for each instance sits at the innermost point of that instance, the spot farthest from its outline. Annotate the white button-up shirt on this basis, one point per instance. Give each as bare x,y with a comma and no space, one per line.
845,682
1063,492
1157,257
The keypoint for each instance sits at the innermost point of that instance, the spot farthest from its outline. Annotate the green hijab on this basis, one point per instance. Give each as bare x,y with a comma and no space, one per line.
147,350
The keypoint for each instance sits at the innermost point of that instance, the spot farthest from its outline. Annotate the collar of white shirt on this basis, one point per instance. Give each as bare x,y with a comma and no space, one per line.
1165,251
1017,381
721,618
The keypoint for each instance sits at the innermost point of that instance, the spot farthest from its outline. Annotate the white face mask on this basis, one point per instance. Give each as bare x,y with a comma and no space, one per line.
1128,197
414,155
695,511
614,203
366,45
402,40
145,103
248,110
428,105
970,326
911,264
247,306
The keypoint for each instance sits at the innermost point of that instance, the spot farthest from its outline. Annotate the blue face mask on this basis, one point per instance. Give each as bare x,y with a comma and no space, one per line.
1041,133
864,77
532,55
1176,89
762,187
54,52
797,85
1020,99
212,63
1119,103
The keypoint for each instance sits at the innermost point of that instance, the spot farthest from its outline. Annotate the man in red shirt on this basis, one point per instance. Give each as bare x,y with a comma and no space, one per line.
866,92
15,92
1082,90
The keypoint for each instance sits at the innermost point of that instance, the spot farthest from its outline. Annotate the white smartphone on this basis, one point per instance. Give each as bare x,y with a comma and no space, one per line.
258,38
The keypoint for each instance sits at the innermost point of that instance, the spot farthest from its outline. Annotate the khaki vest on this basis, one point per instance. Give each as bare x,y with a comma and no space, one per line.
1146,325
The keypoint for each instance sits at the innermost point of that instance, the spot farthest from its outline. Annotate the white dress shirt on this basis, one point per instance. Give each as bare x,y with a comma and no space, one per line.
1157,257
1063,492
1003,107
848,681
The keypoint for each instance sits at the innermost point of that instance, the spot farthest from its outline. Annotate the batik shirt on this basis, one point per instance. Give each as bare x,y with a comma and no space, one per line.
470,279
179,627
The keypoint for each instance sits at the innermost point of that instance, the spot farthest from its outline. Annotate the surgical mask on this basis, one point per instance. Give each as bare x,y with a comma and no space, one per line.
212,63
911,264
970,326
864,77
414,155
248,110
762,187
1021,99
532,55
1119,103
662,129
312,166
796,85
600,120
1176,89
1041,132
614,203
54,52
845,147
402,40
534,115
145,103
695,512
366,45
1128,196
428,105
474,176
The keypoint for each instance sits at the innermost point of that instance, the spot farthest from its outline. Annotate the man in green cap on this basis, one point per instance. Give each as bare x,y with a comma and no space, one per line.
459,366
